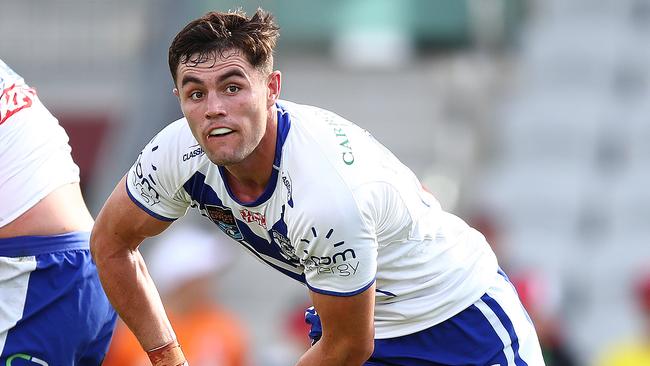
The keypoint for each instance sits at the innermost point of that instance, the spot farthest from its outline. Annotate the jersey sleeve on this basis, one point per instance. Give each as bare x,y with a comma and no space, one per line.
338,248
155,180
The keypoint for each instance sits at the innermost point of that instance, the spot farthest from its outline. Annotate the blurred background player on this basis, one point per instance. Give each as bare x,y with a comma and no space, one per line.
541,296
53,310
185,263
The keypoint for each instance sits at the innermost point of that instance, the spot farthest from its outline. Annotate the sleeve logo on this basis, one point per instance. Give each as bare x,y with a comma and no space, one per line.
342,263
145,184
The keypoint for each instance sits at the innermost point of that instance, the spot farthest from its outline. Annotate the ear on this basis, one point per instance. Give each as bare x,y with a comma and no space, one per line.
274,84
175,91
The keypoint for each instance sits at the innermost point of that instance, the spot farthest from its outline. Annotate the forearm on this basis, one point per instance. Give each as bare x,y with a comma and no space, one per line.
134,296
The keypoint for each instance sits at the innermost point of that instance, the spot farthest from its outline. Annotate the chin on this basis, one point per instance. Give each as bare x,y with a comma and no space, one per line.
224,161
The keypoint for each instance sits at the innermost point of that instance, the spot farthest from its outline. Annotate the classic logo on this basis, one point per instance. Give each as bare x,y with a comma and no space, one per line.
196,152
224,218
252,216
14,99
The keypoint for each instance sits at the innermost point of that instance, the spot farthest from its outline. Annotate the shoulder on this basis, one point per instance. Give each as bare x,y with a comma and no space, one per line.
174,146
165,164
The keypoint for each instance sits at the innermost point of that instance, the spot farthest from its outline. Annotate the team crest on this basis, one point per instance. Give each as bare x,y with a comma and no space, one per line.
286,249
223,217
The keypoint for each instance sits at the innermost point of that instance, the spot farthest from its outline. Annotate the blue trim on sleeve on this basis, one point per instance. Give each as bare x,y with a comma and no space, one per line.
145,209
342,294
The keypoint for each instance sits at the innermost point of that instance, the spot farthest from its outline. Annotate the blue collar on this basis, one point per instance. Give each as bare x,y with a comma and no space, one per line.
284,124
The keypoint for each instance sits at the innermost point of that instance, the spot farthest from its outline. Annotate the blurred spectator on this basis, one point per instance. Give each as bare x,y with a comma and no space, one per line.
541,297
184,265
633,351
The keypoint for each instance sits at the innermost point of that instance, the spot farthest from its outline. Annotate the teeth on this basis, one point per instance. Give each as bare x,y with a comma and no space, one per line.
220,131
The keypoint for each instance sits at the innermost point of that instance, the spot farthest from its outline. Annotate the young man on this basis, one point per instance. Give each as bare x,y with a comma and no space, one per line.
395,279
53,310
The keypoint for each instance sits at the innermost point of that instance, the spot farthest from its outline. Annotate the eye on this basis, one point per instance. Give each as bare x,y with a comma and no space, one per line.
196,95
232,89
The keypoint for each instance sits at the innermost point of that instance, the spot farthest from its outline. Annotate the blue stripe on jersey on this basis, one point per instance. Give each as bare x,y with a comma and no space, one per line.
144,208
284,124
204,195
343,294
21,246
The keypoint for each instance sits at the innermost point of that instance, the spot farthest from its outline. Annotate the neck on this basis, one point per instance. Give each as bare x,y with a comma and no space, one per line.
248,179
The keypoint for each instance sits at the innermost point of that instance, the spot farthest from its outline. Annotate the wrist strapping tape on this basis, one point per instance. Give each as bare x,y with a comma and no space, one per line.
169,354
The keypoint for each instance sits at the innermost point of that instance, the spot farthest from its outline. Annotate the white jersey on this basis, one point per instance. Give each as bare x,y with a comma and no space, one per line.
34,152
340,213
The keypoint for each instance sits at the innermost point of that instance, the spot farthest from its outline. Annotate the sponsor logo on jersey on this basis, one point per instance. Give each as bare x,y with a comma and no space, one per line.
286,249
347,156
224,218
286,180
342,263
194,153
22,356
14,99
145,183
252,216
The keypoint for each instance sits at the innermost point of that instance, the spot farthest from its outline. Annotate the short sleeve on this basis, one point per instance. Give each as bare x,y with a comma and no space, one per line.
339,250
154,182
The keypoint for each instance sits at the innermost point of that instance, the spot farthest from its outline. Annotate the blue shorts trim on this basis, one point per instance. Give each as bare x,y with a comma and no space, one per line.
482,334
22,246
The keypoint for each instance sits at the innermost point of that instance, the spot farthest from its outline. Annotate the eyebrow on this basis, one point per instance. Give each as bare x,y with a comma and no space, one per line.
193,79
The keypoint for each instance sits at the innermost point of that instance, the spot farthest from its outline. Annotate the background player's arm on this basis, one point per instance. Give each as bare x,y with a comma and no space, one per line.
348,329
120,227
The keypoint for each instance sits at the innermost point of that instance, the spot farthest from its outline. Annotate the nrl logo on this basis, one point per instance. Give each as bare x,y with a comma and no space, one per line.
223,217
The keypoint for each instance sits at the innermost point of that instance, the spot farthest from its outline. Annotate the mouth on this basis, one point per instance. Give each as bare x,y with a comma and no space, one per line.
219,132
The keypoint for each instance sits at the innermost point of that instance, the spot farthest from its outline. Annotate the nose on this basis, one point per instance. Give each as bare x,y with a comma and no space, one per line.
214,107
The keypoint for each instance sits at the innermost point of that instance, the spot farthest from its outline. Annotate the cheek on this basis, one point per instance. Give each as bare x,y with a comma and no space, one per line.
189,109
195,132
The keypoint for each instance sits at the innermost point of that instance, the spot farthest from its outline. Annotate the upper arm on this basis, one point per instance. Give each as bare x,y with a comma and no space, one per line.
121,224
347,320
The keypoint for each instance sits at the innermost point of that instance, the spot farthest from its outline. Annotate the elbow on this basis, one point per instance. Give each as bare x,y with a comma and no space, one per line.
365,350
100,246
358,351
95,246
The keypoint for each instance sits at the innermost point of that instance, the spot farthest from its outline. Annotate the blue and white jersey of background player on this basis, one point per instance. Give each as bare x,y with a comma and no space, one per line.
340,212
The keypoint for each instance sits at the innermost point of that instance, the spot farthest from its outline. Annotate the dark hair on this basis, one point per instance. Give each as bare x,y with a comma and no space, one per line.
212,34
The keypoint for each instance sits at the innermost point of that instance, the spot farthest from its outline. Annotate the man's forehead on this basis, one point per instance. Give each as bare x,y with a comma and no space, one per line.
214,60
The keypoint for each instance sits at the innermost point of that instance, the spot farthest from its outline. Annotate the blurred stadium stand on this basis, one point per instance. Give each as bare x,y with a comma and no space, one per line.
534,114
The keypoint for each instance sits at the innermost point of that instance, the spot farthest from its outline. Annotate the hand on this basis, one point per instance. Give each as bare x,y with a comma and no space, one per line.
312,318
